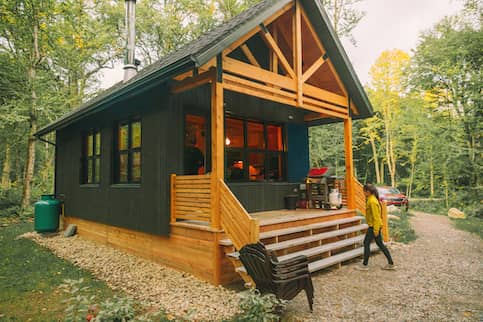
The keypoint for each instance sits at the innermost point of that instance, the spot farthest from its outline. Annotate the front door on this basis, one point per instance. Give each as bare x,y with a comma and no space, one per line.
195,144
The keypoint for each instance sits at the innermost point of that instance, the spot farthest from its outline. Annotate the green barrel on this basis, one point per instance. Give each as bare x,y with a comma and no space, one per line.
47,211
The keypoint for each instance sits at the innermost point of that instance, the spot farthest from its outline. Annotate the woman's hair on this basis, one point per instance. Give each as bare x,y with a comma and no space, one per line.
372,189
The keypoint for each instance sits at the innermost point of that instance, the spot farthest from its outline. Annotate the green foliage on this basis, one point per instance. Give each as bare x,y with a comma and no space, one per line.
430,206
345,16
77,301
116,309
260,308
327,147
401,230
471,224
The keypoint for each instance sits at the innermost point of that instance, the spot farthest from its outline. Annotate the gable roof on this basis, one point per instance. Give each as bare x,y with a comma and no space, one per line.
210,44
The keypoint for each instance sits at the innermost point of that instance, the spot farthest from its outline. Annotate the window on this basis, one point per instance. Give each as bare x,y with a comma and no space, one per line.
254,151
127,159
91,158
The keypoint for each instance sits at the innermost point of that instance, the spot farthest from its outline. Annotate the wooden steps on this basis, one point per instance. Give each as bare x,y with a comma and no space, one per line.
315,250
339,258
327,242
329,261
324,248
298,229
305,240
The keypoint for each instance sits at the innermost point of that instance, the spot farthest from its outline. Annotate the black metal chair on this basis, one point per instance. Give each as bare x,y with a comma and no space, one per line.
285,279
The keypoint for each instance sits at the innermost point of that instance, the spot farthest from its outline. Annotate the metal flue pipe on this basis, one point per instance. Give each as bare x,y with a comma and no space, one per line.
130,68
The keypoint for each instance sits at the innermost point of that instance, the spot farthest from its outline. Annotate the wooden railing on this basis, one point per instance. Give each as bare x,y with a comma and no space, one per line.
341,186
385,223
191,198
235,220
360,198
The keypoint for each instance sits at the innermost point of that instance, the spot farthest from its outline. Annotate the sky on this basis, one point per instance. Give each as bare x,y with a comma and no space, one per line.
388,24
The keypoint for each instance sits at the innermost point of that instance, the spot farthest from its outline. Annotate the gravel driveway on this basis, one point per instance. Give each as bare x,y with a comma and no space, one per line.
439,278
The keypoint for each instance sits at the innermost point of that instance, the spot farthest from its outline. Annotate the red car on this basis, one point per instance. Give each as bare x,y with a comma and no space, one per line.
392,196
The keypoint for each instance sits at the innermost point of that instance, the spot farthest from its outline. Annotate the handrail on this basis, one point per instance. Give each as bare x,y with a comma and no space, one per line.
360,198
235,220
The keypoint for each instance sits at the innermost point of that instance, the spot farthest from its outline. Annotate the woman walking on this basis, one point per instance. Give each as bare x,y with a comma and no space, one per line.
374,220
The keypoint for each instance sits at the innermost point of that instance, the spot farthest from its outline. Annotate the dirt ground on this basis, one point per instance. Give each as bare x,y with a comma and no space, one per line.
439,278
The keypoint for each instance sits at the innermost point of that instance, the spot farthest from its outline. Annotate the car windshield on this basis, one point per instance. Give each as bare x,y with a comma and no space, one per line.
388,191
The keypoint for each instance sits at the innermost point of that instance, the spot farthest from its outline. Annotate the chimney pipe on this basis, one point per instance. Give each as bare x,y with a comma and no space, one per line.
130,66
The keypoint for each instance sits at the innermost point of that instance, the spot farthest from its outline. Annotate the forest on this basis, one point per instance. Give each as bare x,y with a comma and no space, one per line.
425,136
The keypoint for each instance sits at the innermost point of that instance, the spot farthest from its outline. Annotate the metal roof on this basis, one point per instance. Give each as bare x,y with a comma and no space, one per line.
200,51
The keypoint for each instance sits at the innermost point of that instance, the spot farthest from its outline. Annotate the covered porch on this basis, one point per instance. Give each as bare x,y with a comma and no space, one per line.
262,93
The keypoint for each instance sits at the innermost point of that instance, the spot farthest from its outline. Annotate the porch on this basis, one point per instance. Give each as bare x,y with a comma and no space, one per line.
275,76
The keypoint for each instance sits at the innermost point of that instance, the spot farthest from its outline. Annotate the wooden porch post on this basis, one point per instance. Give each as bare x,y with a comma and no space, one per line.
217,163
349,171
217,144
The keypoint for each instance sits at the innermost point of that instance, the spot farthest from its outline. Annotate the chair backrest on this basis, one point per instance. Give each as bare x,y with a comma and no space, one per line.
257,263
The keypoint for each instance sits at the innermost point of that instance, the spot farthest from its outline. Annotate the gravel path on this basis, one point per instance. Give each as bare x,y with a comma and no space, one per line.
179,294
439,278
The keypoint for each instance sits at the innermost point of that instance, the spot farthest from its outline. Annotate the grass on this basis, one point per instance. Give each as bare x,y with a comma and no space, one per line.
401,230
30,276
471,224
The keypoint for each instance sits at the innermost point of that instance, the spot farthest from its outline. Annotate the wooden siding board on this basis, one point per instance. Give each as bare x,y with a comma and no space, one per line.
143,208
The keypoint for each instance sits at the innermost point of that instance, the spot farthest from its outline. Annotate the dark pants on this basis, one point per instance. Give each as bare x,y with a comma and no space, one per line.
367,245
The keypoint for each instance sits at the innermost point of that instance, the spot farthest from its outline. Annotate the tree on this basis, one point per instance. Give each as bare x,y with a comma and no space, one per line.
25,37
447,63
386,93
57,48
345,16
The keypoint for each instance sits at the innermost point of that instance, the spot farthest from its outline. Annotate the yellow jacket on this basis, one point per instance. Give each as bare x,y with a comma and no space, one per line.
373,214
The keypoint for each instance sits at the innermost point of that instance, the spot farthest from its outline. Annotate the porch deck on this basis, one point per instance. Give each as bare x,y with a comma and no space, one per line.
283,215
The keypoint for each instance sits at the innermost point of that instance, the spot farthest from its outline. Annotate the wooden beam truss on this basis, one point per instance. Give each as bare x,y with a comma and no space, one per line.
289,88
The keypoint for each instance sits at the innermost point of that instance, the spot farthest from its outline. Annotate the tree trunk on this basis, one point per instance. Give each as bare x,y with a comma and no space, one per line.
30,159
376,160
382,173
392,162
31,140
431,173
412,158
5,184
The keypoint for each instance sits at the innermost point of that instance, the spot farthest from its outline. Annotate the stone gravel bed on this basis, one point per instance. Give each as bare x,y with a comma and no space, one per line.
179,294
439,278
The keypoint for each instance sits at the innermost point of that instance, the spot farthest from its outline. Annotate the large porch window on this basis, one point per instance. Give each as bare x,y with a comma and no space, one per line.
254,151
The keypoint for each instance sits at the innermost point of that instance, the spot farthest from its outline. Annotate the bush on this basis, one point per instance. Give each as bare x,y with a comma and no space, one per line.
260,308
401,230
77,301
471,224
117,309
10,201
430,206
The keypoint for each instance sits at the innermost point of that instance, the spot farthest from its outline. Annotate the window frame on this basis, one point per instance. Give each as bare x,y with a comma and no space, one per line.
245,151
129,151
95,178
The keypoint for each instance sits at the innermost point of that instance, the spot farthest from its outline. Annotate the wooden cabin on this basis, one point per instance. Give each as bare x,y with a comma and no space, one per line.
191,158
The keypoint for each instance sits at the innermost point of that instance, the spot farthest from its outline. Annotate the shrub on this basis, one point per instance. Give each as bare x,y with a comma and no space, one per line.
260,308
117,309
430,206
77,301
401,230
10,201
81,307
